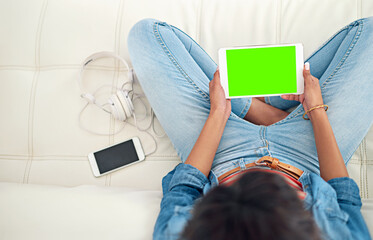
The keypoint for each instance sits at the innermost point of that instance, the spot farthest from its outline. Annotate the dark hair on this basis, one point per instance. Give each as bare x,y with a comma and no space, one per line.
260,205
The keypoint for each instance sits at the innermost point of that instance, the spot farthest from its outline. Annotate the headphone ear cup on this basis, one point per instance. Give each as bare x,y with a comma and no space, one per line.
130,75
126,102
117,108
130,104
113,111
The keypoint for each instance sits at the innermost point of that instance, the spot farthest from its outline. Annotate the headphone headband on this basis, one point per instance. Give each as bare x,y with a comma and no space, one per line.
98,55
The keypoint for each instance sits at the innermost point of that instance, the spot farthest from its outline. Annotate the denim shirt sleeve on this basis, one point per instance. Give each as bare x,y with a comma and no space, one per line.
181,187
335,206
349,201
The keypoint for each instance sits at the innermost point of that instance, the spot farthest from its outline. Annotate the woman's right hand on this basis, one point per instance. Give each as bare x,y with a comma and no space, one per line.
312,91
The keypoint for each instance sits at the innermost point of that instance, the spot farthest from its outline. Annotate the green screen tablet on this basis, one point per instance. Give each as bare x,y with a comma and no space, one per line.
261,70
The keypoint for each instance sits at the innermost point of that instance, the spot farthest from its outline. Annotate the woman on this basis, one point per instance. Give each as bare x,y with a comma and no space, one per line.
247,144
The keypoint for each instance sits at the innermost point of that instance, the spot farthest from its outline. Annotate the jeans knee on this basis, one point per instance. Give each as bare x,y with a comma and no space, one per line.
368,20
140,31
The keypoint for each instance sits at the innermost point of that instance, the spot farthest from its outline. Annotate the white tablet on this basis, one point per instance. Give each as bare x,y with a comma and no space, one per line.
261,70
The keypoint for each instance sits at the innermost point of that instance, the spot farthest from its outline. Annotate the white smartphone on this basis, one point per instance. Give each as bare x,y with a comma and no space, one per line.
261,70
116,157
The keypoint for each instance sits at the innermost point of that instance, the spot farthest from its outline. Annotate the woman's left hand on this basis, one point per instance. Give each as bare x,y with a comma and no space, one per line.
204,150
219,104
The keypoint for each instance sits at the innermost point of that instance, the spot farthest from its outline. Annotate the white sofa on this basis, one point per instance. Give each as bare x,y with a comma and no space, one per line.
47,189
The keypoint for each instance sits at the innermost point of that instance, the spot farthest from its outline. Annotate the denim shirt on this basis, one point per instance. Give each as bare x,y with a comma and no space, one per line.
335,204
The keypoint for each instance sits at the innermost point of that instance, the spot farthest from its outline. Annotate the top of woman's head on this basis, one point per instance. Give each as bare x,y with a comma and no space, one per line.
260,205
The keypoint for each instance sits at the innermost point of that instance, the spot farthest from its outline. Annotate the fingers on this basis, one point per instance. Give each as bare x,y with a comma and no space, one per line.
286,97
307,66
216,78
217,75
308,78
307,73
290,97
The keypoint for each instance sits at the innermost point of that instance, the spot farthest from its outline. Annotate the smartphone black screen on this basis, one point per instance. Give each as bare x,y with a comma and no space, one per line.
116,156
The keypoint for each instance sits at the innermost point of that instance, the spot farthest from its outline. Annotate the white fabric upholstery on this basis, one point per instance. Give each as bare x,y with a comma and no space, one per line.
42,45
83,212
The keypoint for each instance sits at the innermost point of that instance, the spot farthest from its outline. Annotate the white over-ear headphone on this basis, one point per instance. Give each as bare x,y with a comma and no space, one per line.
120,103
121,106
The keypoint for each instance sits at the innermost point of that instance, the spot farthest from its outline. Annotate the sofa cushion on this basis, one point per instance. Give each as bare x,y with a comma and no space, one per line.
85,212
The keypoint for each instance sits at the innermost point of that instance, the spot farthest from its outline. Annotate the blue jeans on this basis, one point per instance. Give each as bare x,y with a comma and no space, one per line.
174,73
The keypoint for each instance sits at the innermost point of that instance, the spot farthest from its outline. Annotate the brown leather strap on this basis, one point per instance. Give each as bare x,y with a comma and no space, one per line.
271,162
234,171
274,163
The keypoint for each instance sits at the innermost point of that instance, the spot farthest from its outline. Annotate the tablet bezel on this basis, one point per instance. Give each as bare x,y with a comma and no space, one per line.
299,66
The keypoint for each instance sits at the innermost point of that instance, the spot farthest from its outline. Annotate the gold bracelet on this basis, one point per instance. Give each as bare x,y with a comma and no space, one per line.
316,107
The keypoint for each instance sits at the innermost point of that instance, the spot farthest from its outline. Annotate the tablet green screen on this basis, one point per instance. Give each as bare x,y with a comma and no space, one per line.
261,71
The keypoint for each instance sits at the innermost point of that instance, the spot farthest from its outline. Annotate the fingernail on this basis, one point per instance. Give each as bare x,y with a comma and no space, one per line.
307,66
217,69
